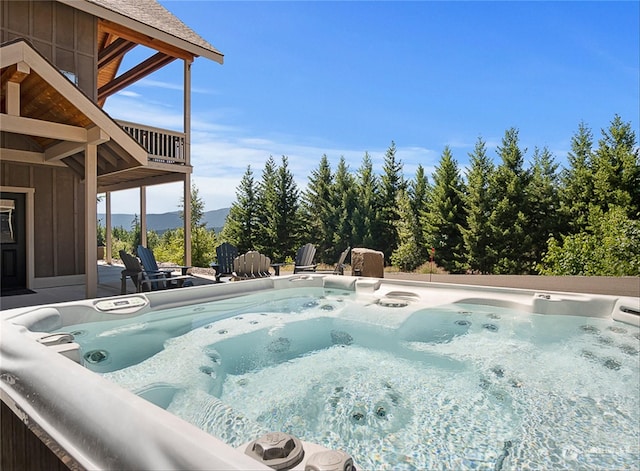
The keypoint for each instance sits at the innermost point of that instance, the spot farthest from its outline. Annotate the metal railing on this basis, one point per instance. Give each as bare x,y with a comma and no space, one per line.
162,145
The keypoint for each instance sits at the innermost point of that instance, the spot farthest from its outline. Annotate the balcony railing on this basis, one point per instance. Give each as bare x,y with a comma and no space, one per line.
162,145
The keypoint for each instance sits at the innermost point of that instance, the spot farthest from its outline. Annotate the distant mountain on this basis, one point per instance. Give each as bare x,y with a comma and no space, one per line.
162,222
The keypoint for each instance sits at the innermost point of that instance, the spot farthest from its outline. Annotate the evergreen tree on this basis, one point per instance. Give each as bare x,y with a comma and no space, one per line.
344,204
617,169
242,224
407,255
203,241
445,215
267,198
477,233
392,182
318,211
280,211
544,203
365,214
418,194
197,208
509,215
576,190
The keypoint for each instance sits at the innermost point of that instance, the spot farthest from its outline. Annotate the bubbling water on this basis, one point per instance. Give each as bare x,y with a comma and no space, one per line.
457,387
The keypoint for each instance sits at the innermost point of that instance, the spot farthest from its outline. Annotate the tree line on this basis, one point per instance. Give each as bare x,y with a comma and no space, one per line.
504,218
499,218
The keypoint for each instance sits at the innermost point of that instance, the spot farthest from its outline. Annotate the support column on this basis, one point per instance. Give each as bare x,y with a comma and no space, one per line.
187,219
143,216
91,220
187,156
107,228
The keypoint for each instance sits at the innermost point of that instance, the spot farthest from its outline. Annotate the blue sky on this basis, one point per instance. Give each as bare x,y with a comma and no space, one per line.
303,79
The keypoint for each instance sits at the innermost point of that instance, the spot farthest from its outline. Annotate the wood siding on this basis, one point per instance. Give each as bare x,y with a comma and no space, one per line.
58,216
64,35
21,449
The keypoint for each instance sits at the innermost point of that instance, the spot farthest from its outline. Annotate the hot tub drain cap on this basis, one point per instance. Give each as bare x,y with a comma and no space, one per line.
277,450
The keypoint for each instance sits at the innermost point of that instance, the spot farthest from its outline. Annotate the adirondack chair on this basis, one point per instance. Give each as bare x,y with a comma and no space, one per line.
304,259
251,265
225,254
146,280
149,262
339,269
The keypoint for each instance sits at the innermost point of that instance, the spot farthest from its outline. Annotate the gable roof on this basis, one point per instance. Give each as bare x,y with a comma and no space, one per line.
151,18
58,118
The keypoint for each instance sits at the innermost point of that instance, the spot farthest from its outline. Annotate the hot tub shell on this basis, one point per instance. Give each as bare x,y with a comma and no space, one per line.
91,423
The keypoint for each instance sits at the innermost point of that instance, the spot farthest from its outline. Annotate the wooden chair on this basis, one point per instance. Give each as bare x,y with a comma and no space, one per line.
149,262
304,259
251,265
146,280
339,269
225,254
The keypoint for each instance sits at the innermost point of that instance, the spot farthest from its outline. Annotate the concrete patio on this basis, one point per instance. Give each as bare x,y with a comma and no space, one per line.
108,285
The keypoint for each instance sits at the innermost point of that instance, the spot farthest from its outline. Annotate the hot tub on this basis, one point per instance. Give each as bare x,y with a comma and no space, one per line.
389,374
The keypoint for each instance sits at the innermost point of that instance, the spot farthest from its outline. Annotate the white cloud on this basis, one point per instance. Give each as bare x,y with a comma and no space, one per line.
173,86
129,93
221,153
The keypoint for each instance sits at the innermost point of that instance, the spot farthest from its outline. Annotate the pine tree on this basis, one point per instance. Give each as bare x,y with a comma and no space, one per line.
544,203
407,255
576,189
617,169
365,214
392,182
445,215
509,215
241,226
318,211
267,198
477,233
280,211
344,203
418,194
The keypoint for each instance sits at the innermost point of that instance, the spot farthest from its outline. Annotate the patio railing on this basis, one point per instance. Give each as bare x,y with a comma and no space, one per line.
163,146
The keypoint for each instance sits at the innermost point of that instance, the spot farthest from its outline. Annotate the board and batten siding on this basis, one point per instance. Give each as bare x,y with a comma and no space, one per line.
58,216
69,41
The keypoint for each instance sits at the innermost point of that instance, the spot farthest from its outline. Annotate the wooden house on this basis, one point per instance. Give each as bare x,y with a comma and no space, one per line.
60,61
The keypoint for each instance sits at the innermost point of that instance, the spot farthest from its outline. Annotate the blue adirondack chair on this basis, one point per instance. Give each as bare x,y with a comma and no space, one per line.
151,266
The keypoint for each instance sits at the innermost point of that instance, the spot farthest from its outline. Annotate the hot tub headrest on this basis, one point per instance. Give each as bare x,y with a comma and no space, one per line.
340,282
44,319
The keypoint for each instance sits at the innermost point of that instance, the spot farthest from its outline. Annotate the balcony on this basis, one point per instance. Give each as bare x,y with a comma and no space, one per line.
162,145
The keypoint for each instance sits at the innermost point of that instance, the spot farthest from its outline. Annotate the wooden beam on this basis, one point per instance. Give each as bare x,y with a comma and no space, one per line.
147,181
29,157
95,136
39,128
13,77
16,73
62,150
143,39
114,51
141,70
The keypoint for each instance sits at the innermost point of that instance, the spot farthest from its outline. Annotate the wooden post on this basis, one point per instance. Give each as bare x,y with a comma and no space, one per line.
107,228
143,216
91,220
187,156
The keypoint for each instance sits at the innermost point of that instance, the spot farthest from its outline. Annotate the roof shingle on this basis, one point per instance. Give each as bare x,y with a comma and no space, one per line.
153,14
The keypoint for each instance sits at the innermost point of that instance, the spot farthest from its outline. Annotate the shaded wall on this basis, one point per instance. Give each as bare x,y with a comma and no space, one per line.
58,216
